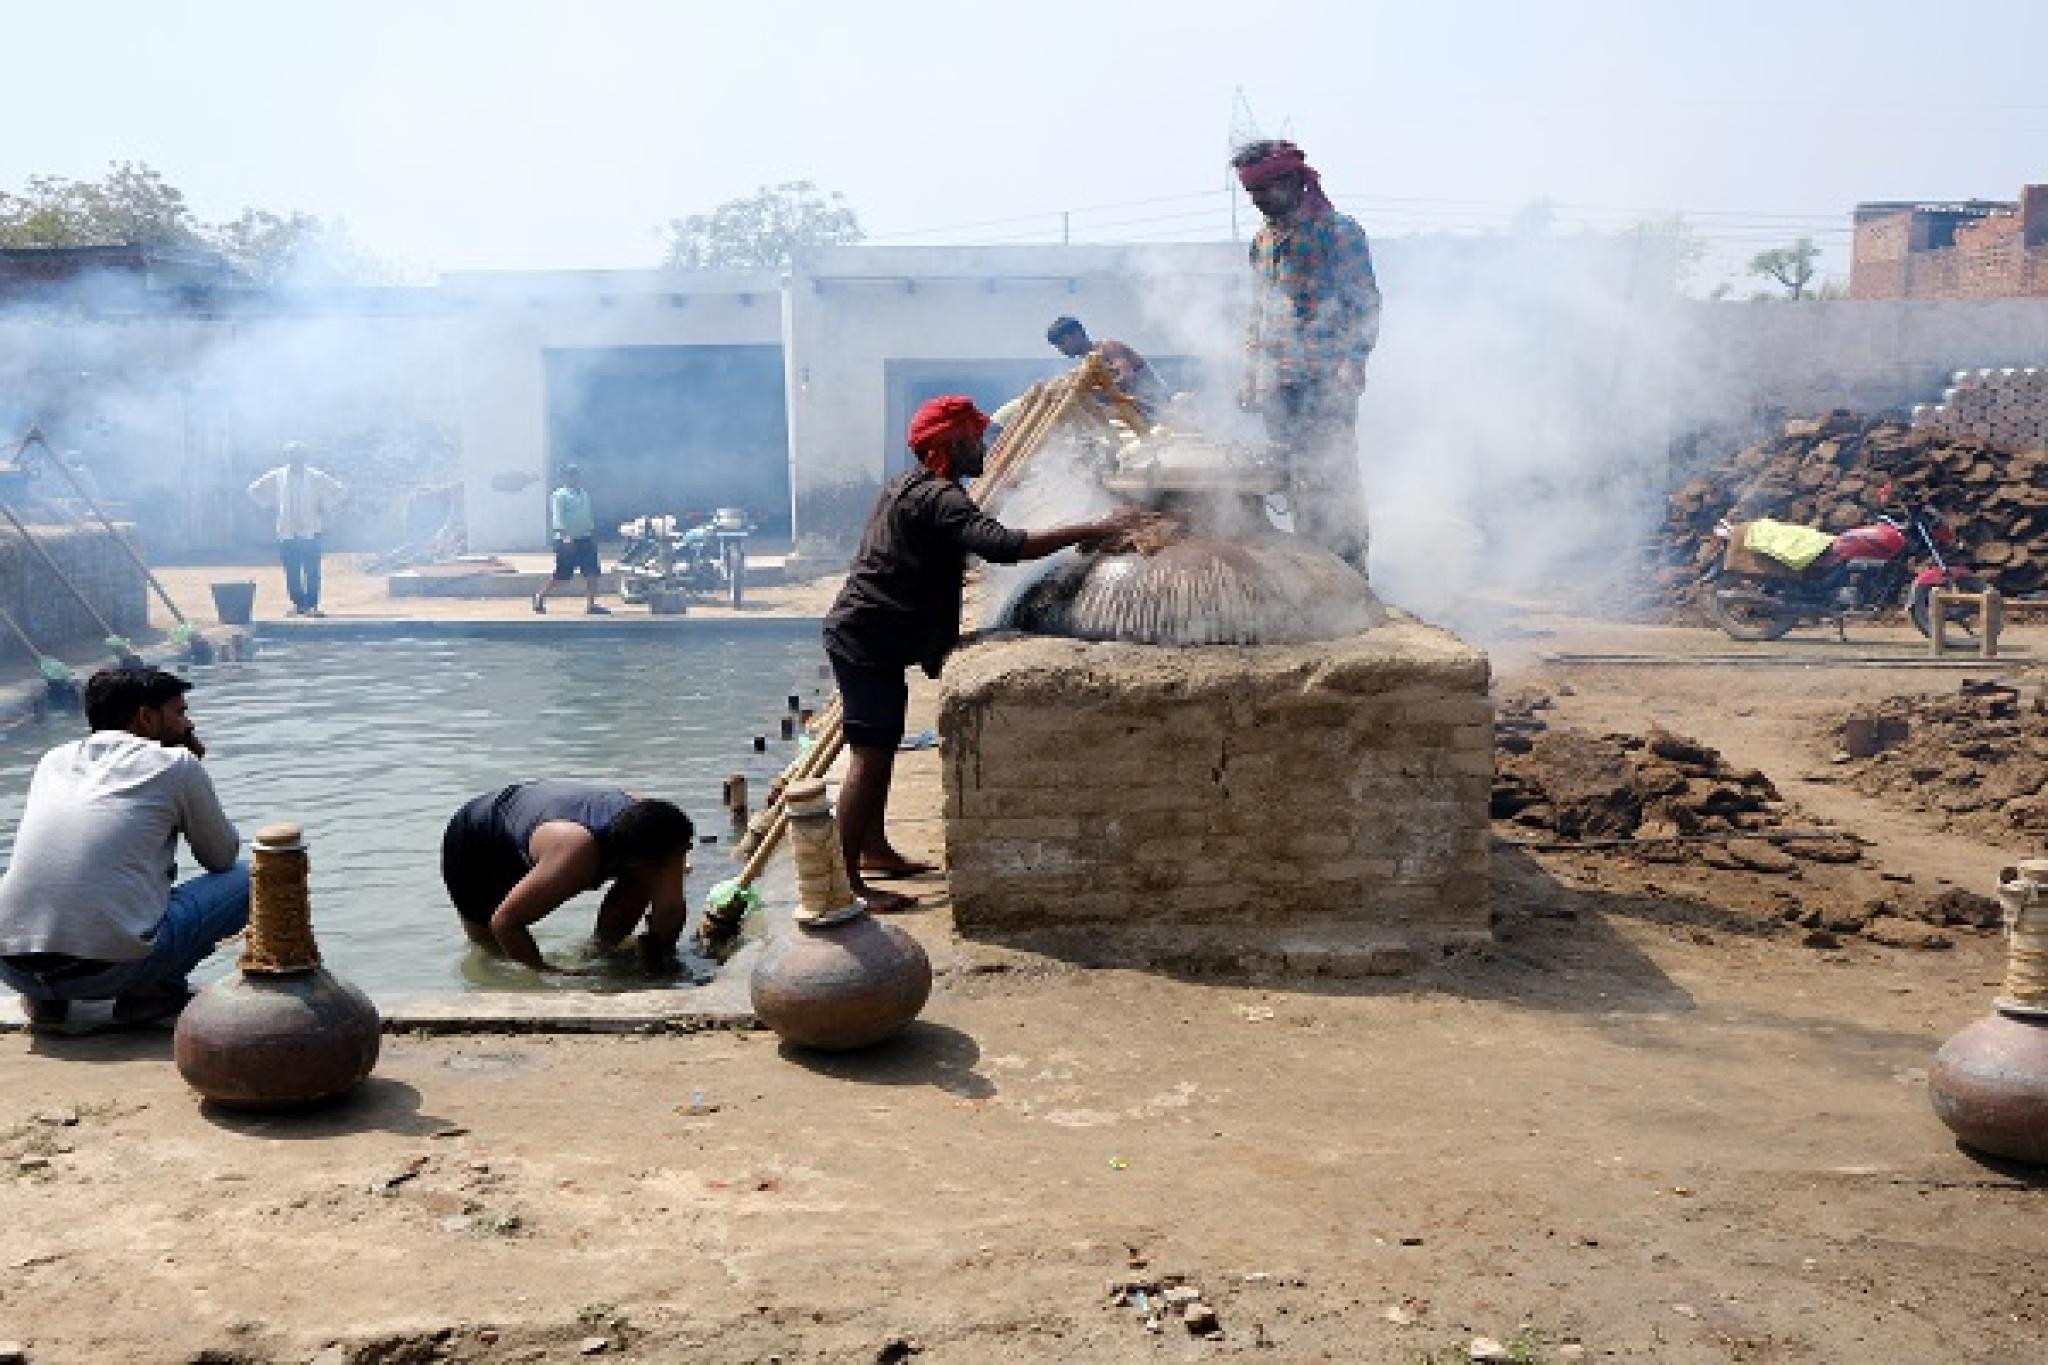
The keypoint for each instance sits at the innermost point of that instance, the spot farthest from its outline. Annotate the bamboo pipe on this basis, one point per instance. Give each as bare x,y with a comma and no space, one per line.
830,745
21,635
800,767
35,434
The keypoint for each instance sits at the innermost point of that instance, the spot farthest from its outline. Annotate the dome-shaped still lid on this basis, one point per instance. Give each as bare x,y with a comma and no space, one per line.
1267,589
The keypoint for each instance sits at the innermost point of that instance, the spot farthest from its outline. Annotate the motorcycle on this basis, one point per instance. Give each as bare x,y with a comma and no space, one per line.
661,554
1865,571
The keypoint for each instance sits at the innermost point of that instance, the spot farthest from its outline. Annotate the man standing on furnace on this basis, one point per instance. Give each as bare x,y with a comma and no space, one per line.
1315,318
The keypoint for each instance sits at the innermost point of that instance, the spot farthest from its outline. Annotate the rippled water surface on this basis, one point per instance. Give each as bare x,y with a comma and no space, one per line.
371,744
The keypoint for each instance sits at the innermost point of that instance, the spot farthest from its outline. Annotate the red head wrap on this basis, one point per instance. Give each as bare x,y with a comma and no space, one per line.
938,425
1283,160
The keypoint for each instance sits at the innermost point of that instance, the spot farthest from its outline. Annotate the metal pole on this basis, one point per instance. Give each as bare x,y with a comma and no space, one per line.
35,434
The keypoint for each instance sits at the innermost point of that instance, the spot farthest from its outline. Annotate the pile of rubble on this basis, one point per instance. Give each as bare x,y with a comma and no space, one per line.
1977,759
1658,789
1617,810
1832,471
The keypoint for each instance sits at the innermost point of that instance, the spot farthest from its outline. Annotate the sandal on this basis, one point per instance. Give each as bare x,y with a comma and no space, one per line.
153,1007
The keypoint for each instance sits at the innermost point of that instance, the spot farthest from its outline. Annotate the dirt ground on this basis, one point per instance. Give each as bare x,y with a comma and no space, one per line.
1655,1122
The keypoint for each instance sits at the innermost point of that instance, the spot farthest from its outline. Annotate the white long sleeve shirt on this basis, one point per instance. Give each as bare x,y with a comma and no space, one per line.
97,849
301,496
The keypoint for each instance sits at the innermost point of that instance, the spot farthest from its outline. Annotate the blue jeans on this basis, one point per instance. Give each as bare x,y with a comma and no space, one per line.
203,911
301,559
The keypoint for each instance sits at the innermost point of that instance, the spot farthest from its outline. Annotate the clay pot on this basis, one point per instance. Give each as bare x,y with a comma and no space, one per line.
1989,1084
277,1041
841,986
282,1032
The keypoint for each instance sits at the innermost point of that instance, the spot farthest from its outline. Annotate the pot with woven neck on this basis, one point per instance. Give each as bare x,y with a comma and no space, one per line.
838,978
281,1032
1989,1083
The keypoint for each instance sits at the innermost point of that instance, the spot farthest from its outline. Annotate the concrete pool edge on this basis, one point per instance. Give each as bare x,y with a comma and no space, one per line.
583,627
722,1004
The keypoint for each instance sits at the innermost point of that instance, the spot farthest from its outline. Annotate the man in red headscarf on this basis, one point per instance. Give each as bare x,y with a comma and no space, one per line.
1315,319
900,605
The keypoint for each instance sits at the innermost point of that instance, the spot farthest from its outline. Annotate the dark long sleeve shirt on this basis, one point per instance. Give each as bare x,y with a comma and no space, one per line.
900,604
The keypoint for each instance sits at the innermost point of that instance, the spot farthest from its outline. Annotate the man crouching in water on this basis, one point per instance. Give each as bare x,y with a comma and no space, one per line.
512,857
900,605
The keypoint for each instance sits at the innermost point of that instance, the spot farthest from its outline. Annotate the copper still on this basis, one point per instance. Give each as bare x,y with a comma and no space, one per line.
281,1032
837,978
1989,1083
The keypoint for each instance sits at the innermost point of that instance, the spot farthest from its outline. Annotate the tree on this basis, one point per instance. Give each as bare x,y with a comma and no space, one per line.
132,206
1792,266
763,230
295,249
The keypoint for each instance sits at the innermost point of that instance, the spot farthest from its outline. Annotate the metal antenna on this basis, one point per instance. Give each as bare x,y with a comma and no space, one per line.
1244,128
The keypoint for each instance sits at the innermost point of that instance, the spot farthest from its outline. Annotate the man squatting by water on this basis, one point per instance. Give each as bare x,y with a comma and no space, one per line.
1315,318
514,856
90,908
900,605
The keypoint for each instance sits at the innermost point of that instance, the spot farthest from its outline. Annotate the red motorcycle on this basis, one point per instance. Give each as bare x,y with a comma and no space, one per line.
1865,571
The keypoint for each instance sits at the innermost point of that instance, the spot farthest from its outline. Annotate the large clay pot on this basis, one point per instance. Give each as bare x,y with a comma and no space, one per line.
277,1042
841,986
1989,1083
282,1032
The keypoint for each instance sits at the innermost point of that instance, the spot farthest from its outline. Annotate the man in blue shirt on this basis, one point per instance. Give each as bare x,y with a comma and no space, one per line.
574,530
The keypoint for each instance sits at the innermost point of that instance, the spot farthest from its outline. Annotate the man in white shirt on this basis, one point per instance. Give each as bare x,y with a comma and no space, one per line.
88,908
302,496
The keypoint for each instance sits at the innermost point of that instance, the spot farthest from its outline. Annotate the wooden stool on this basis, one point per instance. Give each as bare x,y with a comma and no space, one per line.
1990,606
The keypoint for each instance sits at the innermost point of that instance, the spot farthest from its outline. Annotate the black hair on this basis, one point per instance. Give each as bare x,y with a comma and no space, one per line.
1252,153
114,695
1061,326
650,831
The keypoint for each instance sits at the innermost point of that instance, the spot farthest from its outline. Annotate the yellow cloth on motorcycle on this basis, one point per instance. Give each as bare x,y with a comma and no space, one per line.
1792,545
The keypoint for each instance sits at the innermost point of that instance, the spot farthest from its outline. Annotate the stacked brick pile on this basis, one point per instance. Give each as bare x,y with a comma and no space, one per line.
2008,408
1830,472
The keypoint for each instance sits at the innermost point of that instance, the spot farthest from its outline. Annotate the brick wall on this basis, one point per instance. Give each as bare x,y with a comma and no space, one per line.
1877,264
2001,256
1324,805
53,618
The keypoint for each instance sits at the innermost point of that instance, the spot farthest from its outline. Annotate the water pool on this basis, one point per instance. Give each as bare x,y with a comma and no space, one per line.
371,744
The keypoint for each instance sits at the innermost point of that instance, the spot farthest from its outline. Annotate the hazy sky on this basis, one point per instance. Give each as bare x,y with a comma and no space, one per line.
460,134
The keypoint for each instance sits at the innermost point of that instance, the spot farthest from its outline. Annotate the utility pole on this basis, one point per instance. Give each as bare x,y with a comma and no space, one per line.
1066,227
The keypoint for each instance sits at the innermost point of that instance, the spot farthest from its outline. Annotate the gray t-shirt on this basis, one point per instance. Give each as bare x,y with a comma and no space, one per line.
97,849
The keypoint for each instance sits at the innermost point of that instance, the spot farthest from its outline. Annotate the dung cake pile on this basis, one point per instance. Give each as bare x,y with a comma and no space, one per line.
1830,472
1976,759
1657,790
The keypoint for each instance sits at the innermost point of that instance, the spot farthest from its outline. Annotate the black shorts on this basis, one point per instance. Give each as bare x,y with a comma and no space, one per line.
572,555
876,701
478,867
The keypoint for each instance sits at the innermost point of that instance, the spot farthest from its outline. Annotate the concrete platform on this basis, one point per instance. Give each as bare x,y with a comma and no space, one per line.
720,1004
